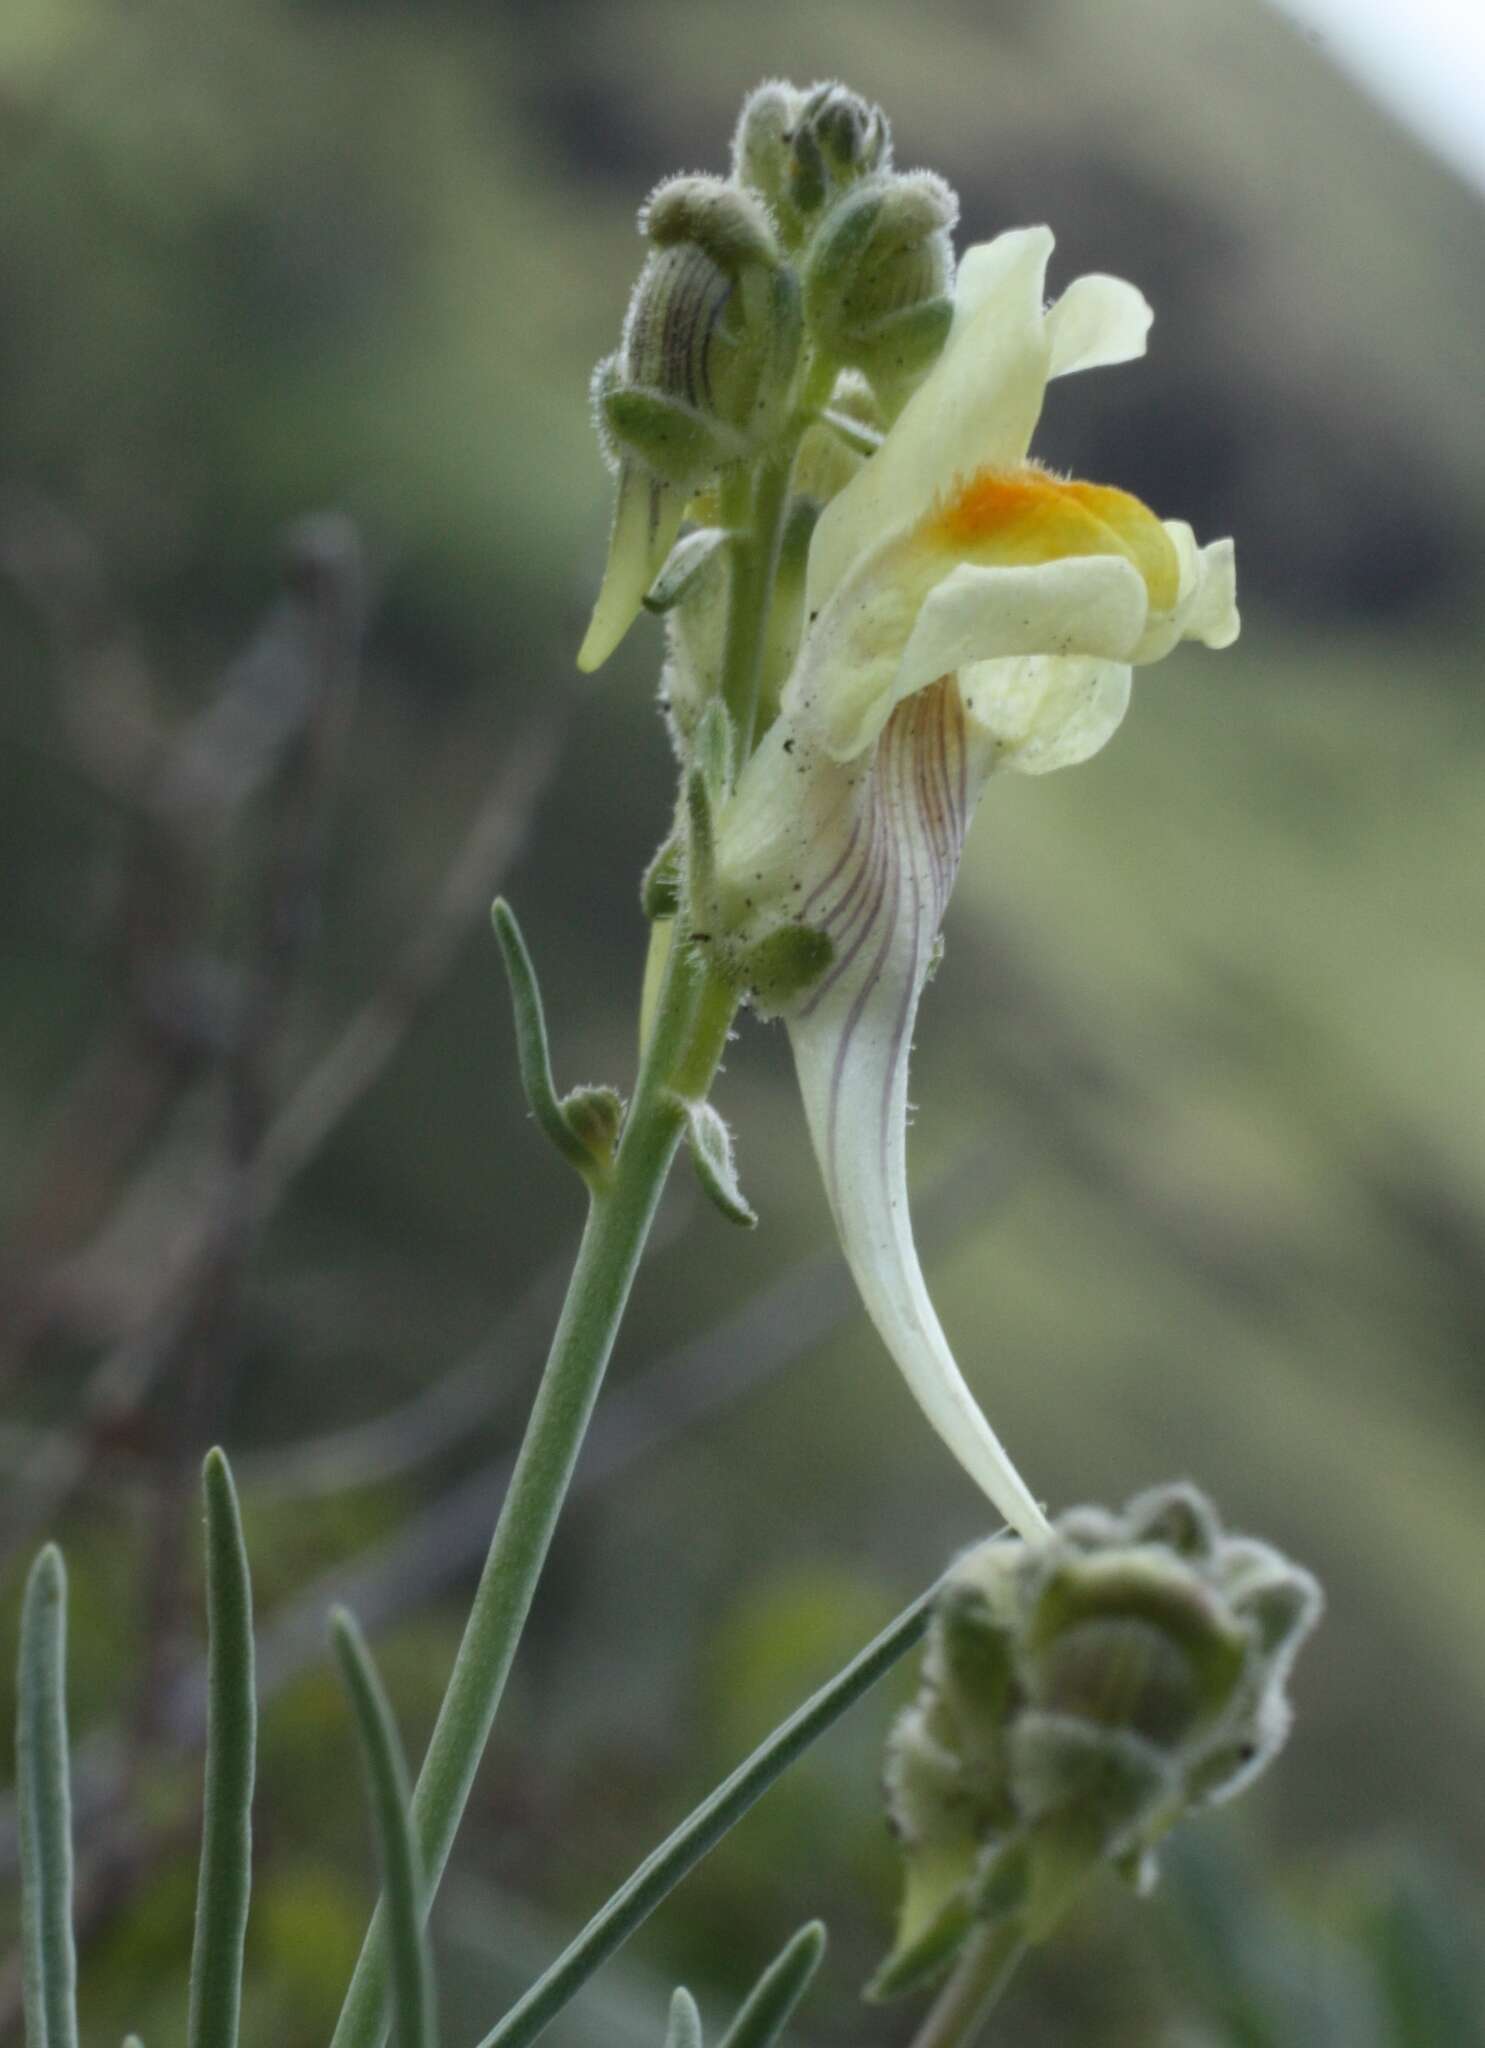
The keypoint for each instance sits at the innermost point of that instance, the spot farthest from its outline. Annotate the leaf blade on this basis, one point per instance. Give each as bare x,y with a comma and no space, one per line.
388,1788
768,2007
49,1958
224,1883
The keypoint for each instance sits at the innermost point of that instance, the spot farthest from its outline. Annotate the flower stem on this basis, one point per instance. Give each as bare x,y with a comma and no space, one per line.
754,566
691,1025
985,1966
683,1044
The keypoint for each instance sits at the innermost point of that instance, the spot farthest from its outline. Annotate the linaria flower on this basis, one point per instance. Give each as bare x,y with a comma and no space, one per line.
967,612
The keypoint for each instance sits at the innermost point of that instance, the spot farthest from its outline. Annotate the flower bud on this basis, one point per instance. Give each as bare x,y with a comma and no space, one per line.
699,382
762,146
800,150
878,277
1080,1694
710,339
851,134
723,220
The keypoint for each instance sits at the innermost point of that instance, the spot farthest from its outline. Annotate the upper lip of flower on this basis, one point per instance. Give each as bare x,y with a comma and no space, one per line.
948,561
950,548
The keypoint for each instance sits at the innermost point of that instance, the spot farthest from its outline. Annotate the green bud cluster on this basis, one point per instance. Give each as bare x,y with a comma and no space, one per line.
1079,1696
876,262
801,150
813,284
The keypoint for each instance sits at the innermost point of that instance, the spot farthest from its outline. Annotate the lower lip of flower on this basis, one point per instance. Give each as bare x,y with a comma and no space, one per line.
1026,515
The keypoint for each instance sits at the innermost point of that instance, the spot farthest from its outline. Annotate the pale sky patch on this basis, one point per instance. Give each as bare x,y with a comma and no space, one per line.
1424,60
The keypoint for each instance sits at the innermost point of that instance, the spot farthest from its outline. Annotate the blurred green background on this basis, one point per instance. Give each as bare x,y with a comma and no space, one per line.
1201,1126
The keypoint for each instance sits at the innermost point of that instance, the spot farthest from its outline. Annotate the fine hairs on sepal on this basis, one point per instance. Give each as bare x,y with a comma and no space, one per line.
1081,1694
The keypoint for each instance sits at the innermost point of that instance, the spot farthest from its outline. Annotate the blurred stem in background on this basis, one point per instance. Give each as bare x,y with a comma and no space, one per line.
981,1974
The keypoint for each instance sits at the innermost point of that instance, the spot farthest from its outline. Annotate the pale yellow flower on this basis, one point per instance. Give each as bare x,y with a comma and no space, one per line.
967,612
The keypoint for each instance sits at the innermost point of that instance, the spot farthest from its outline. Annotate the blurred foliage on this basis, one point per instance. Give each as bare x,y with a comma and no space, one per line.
1392,1956
1209,1017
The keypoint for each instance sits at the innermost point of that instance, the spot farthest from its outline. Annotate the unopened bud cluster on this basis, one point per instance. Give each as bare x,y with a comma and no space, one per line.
1079,1696
876,262
812,264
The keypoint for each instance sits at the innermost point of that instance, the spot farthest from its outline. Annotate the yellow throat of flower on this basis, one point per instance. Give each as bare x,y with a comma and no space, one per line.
1018,517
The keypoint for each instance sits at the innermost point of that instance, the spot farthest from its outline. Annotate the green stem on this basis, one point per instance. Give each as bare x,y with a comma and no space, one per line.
755,554
985,1966
692,1020
664,1868
754,509
683,1047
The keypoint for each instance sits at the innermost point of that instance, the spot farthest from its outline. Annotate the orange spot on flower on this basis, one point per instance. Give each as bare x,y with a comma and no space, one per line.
1025,516
994,502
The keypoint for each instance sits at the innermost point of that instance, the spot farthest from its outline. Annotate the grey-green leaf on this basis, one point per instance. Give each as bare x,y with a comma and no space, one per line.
48,1957
710,1144
684,2028
580,1142
766,2010
402,1880
857,435
225,1881
687,561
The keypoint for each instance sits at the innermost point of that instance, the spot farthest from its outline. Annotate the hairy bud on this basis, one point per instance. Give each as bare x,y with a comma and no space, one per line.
800,150
851,135
763,142
878,279
700,380
1081,1694
725,221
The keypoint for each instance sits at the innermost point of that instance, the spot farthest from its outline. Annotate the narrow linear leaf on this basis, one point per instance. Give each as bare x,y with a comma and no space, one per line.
684,2029
660,891
48,1958
533,1054
661,1871
685,565
388,1789
766,2010
925,1958
710,1144
856,434
226,1875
